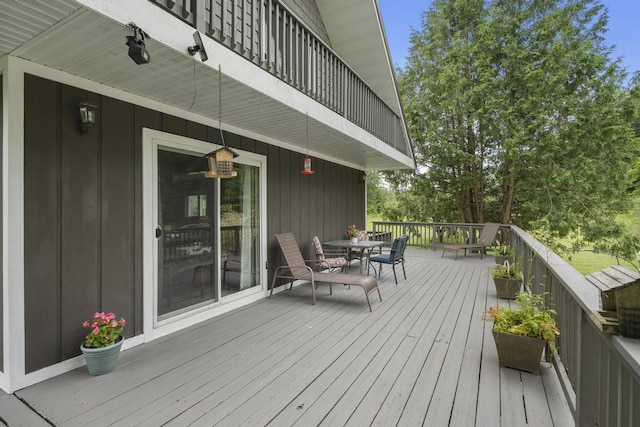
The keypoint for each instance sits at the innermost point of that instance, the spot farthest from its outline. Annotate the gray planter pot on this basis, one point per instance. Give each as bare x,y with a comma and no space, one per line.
507,288
518,352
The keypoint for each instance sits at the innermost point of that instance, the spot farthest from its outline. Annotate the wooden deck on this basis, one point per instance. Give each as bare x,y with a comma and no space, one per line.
423,357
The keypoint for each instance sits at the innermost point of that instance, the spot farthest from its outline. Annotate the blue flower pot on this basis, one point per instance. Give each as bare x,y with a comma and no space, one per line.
102,360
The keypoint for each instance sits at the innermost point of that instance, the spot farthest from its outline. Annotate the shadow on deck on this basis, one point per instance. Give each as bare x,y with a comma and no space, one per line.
423,357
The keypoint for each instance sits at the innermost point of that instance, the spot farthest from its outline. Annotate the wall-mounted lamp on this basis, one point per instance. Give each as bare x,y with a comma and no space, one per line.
363,178
87,117
137,50
198,47
221,163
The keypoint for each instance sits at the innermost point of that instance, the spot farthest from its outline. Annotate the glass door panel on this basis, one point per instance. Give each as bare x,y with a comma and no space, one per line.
240,229
186,235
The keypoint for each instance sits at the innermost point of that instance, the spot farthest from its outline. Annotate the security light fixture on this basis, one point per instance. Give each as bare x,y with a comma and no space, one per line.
198,47
87,117
137,50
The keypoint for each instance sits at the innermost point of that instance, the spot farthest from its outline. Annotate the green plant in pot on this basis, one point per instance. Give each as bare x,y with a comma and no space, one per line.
507,279
504,253
521,333
102,344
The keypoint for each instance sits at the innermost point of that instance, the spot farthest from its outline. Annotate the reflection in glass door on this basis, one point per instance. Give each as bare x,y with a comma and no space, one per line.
186,233
240,229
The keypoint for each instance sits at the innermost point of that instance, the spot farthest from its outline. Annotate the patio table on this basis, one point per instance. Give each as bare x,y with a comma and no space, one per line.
362,245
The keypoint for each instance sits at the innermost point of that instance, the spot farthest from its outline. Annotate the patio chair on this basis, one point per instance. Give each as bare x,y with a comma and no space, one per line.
487,236
297,269
360,253
331,260
393,257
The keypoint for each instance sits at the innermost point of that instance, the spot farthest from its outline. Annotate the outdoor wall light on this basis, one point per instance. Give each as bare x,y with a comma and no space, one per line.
137,50
87,117
363,178
221,163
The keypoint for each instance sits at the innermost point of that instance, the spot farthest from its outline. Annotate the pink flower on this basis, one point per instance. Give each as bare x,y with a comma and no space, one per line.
124,322
96,331
86,323
107,337
114,324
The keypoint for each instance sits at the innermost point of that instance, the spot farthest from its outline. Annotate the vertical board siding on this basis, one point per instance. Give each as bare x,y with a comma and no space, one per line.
118,196
1,233
83,210
42,223
79,222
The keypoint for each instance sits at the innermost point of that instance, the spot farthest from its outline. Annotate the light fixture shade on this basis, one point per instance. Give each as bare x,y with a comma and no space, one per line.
221,163
87,116
307,167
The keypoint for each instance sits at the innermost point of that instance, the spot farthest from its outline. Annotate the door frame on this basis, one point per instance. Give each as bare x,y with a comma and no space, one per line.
152,327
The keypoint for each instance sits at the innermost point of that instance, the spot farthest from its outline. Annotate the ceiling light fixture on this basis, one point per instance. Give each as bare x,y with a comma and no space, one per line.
137,49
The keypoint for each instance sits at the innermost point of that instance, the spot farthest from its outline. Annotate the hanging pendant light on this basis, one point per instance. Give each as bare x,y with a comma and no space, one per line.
221,160
307,160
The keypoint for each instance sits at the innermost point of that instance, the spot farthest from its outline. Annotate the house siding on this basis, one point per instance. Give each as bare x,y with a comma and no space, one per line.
83,210
307,12
1,232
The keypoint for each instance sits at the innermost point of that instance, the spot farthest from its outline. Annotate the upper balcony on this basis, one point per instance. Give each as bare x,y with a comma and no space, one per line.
270,71
269,35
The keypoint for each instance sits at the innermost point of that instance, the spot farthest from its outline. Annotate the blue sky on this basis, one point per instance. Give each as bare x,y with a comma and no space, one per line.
401,16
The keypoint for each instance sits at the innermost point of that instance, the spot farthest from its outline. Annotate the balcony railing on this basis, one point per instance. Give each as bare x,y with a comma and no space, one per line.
266,33
600,373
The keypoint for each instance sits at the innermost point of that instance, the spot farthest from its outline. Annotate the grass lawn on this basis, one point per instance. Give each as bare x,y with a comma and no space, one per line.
588,262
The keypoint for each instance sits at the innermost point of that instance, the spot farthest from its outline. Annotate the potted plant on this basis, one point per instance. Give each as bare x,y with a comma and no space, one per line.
507,279
352,233
102,344
521,334
504,253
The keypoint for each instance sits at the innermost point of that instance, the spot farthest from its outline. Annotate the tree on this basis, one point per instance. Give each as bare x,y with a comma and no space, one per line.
518,114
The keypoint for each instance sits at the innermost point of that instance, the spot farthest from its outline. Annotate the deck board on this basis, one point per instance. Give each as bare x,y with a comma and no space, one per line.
423,356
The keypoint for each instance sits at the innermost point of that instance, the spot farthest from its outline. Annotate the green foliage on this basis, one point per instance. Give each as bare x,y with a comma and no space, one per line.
505,251
533,318
518,114
507,271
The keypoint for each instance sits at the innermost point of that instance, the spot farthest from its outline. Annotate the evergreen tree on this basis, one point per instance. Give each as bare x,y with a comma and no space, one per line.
518,114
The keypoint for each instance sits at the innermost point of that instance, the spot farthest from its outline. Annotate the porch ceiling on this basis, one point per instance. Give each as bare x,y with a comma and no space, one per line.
63,35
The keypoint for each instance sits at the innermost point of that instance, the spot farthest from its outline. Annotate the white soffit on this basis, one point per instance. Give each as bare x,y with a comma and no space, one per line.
80,42
357,35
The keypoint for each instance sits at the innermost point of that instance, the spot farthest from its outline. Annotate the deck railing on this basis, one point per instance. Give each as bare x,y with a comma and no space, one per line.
266,33
432,235
600,373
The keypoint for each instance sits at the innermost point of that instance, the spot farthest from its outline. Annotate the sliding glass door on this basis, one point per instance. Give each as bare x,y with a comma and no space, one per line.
240,230
208,233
